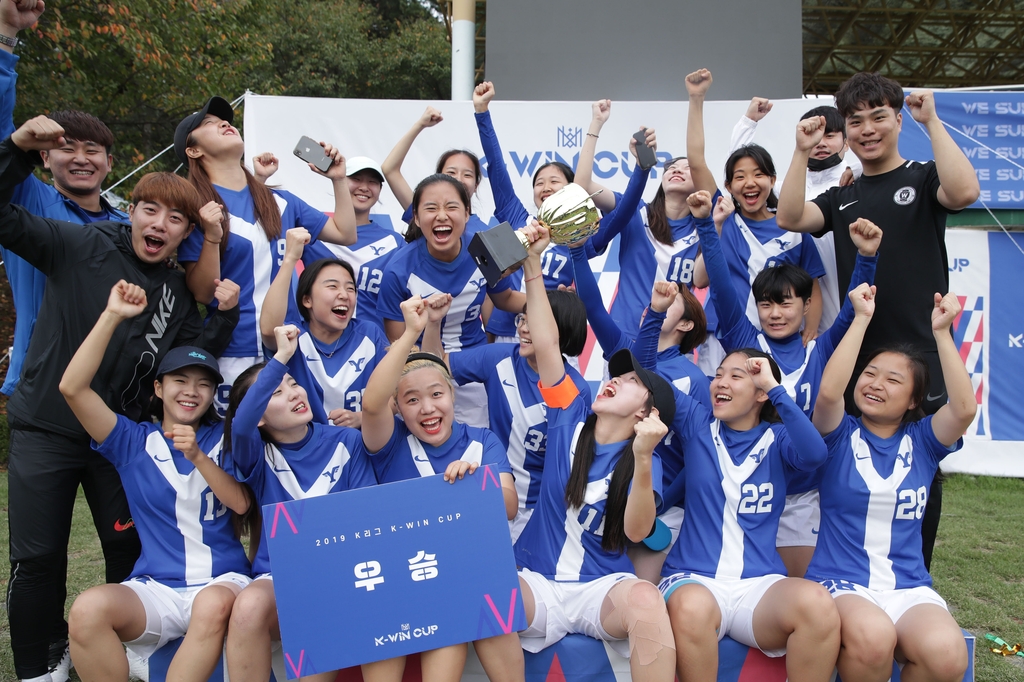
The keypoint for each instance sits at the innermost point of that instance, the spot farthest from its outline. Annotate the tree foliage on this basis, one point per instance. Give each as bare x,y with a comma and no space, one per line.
142,65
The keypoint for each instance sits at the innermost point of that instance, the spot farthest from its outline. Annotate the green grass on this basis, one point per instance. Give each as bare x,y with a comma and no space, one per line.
978,566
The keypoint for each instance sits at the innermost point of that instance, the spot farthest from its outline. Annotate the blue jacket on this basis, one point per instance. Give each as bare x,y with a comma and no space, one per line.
41,199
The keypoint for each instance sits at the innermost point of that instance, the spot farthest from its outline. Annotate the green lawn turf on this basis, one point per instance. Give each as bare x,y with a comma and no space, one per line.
978,566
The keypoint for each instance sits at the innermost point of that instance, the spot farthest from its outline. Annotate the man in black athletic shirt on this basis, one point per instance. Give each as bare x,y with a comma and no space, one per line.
909,200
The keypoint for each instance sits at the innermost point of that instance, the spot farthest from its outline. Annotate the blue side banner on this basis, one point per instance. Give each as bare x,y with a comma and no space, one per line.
989,128
390,570
1006,337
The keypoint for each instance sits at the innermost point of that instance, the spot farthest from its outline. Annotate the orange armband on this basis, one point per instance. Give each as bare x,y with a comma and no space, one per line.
561,394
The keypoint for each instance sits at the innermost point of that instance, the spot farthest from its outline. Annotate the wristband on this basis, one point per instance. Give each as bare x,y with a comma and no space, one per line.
9,41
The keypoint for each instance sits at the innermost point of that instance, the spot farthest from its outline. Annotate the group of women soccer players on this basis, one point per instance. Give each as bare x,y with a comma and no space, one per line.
655,515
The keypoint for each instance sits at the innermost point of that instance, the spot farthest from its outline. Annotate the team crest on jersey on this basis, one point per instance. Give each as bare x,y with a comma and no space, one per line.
905,196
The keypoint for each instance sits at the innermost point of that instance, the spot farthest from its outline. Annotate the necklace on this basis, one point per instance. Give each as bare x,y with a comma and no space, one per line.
324,352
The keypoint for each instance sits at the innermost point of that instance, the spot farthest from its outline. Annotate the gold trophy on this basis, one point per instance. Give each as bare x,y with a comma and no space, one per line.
569,215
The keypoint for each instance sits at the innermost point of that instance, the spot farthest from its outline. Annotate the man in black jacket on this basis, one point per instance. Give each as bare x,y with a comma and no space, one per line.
50,452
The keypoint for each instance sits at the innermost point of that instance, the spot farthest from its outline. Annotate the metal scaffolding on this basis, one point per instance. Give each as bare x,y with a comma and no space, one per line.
924,43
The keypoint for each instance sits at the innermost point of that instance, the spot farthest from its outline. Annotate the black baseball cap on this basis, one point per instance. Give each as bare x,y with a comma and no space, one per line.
189,356
218,106
664,398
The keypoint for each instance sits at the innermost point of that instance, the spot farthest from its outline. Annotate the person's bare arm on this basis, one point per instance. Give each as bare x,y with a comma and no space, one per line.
200,275
392,165
601,110
275,303
641,502
795,213
340,227
953,418
958,183
697,84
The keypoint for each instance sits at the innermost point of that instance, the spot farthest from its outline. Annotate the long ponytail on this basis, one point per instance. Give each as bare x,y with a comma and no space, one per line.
613,538
264,204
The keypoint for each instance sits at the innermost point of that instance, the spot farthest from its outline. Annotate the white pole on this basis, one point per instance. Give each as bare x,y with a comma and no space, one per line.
463,49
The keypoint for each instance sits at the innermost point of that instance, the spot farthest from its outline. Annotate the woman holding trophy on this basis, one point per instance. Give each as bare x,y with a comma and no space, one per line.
547,179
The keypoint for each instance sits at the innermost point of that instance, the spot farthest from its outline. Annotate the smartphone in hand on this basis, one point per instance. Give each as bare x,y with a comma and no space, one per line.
310,151
645,155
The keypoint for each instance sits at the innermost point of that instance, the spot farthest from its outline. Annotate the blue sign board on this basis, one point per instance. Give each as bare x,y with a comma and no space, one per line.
390,570
989,128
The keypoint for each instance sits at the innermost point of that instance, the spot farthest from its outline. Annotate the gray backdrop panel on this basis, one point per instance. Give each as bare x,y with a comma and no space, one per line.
642,49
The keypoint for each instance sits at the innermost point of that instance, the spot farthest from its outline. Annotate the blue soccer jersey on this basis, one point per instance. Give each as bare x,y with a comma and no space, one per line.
186,532
329,459
375,244
251,260
335,375
735,488
750,246
801,366
518,415
565,544
873,494
686,377
404,456
414,271
643,260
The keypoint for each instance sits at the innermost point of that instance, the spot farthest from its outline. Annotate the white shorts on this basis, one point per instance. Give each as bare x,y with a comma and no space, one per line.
798,525
471,405
736,599
666,531
567,608
894,602
169,609
673,518
230,368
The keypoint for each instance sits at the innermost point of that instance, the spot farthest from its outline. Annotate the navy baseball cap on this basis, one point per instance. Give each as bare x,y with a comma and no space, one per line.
218,106
664,399
188,356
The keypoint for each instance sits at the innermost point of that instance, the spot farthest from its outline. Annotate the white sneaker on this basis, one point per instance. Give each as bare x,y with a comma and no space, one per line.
138,667
42,678
60,668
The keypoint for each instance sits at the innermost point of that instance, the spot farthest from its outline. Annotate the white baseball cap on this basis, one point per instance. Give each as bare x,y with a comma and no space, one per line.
361,163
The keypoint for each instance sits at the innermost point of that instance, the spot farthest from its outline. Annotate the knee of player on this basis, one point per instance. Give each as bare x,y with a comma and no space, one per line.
815,608
692,609
872,644
645,602
90,614
211,610
945,656
253,610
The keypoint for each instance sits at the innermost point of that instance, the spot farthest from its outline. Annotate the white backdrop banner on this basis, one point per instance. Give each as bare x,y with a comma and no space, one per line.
533,133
